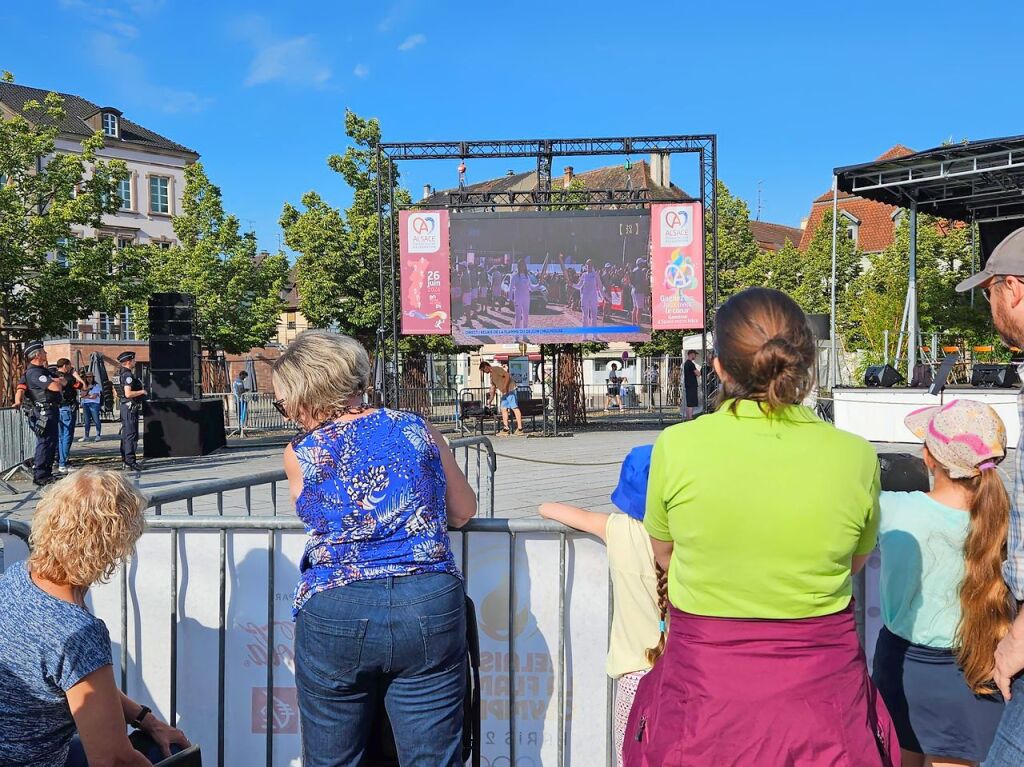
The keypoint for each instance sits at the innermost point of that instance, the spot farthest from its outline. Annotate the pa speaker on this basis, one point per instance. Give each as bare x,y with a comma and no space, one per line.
995,376
177,300
882,376
175,384
903,473
173,428
173,352
171,321
821,326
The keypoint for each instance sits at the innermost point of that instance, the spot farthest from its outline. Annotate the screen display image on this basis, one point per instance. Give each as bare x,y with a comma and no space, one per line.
550,277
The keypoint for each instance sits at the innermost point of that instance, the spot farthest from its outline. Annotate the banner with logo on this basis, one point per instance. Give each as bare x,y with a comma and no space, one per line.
677,266
425,273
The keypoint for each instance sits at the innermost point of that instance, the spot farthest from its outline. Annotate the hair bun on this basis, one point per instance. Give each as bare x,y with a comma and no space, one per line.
780,369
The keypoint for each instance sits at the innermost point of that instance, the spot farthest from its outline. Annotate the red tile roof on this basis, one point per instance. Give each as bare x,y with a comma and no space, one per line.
774,236
876,230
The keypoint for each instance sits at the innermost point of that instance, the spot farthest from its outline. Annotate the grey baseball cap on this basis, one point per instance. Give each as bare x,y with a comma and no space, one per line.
1006,259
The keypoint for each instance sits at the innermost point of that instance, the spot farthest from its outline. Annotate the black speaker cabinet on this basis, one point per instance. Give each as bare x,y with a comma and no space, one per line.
903,473
821,326
171,321
173,352
174,384
882,376
1003,376
182,427
179,300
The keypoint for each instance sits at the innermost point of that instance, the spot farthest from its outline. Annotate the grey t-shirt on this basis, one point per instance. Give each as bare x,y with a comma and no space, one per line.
47,646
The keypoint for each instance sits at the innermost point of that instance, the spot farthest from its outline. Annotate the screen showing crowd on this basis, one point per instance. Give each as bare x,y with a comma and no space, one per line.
550,277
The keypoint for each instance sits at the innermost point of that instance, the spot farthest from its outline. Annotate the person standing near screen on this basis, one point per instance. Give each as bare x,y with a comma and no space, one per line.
690,374
519,292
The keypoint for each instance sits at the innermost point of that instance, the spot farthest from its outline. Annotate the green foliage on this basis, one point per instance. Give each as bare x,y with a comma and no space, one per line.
49,277
338,264
737,248
238,294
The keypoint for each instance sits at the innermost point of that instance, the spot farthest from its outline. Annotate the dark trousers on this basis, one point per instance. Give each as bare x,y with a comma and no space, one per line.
46,448
129,433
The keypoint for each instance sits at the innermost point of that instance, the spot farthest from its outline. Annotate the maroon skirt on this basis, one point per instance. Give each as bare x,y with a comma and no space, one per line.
767,692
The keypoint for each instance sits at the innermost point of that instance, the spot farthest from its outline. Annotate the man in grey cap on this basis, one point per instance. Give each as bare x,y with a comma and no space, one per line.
1002,282
132,393
39,394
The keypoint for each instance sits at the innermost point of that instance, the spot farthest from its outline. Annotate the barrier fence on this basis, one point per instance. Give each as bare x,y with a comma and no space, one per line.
17,444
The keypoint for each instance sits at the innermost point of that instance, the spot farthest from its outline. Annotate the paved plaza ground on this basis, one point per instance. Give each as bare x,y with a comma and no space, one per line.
581,470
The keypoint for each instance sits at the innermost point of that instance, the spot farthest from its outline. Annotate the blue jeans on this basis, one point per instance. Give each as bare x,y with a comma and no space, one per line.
1008,748
65,432
91,411
398,640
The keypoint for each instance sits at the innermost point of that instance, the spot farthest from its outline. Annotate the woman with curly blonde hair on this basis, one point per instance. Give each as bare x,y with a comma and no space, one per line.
58,701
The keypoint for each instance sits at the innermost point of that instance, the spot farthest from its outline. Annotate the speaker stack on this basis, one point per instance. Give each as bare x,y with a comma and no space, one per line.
1001,376
882,376
177,420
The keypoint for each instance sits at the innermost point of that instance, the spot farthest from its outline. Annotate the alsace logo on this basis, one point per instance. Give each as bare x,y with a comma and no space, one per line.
424,233
677,226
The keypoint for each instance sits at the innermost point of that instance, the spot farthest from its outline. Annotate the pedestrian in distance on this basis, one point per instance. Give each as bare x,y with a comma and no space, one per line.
503,388
613,389
239,388
1002,284
690,375
68,412
380,607
132,394
38,394
945,605
762,514
92,393
639,585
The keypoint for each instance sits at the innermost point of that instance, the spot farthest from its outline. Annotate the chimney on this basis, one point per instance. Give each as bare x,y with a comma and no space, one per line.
803,222
666,170
656,169
567,176
511,173
427,191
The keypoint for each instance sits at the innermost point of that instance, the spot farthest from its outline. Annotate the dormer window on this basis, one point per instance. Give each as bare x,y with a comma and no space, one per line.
110,125
851,225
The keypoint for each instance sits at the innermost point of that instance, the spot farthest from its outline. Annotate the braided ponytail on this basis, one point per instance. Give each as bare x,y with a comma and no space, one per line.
655,652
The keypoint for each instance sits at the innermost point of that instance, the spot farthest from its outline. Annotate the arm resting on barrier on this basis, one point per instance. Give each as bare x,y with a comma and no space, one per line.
162,733
96,707
459,497
593,522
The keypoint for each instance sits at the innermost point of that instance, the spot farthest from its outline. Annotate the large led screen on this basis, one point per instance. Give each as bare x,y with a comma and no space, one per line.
550,277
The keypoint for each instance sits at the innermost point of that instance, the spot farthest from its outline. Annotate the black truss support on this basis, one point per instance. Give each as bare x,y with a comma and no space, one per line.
576,198
558,147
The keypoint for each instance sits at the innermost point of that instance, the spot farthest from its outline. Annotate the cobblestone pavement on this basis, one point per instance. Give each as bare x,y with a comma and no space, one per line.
581,470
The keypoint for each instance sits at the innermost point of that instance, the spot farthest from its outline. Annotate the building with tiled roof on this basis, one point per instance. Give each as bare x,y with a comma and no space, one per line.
774,236
871,225
151,195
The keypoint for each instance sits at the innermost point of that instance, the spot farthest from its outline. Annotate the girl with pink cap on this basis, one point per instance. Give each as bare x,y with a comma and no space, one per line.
945,605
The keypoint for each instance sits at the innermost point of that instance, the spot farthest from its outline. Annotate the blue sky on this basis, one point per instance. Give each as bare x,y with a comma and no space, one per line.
259,89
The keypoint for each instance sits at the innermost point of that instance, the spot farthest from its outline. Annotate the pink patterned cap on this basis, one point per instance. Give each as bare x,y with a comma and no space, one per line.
964,436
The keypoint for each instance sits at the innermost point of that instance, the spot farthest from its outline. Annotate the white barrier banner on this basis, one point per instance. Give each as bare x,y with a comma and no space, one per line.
535,658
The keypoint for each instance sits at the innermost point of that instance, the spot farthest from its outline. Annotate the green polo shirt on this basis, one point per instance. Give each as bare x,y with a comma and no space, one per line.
765,512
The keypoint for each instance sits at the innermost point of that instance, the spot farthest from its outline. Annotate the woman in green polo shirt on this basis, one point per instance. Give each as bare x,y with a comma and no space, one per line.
762,513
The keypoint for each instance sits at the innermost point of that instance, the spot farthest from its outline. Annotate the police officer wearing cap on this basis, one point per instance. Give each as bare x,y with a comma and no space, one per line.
39,394
131,404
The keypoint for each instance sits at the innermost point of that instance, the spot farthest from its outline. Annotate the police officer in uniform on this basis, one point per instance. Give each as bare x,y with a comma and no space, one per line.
39,394
131,405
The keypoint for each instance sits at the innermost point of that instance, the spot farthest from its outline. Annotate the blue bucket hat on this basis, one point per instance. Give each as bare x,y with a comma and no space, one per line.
631,494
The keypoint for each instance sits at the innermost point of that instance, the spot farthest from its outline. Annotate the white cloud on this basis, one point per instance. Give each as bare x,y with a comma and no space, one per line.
361,71
412,42
293,60
128,71
395,15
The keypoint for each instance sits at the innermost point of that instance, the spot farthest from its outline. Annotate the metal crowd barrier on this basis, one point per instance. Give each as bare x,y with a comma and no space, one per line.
17,444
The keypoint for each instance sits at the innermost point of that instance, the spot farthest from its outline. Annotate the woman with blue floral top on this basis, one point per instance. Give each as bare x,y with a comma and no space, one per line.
380,605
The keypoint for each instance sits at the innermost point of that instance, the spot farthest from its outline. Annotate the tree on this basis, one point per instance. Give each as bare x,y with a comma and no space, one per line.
337,268
48,276
237,292
737,248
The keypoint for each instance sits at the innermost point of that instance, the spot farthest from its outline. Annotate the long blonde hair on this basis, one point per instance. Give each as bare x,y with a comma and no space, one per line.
986,606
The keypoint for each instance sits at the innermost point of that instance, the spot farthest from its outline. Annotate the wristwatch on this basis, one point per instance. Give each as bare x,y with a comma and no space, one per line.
143,713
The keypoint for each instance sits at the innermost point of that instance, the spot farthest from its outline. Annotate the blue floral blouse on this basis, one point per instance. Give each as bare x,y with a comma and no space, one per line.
372,502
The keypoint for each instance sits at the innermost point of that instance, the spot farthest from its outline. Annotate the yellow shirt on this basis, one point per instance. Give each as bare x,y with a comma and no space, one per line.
635,615
765,513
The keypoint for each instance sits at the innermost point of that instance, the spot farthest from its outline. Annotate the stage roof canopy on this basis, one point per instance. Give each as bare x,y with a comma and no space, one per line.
979,180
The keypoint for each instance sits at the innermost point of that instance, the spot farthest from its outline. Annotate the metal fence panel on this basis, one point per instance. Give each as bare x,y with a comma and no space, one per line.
17,444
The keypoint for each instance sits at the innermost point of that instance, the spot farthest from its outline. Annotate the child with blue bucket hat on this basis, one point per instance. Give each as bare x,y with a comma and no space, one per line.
639,586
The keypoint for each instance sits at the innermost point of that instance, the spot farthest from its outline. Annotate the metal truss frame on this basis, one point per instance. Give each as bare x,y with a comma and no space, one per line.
544,150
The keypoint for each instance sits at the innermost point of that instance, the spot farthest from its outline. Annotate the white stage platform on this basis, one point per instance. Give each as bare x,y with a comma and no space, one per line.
877,414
